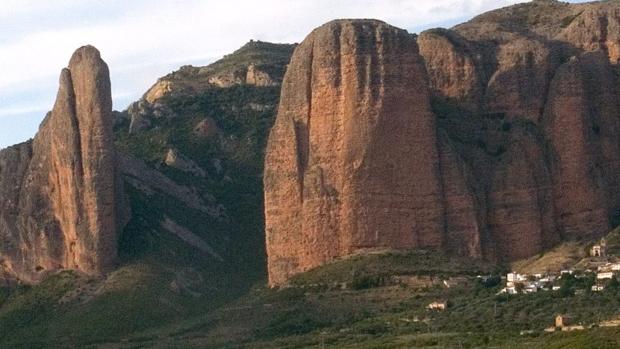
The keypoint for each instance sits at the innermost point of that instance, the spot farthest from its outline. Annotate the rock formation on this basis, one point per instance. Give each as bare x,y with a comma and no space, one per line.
257,63
458,73
60,196
175,160
206,128
495,139
351,161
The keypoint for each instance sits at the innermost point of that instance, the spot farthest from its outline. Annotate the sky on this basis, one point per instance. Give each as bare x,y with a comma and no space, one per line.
142,40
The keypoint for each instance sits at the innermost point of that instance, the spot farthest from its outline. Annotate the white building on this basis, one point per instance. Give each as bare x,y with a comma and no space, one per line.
607,275
439,305
515,277
512,278
548,278
508,290
599,250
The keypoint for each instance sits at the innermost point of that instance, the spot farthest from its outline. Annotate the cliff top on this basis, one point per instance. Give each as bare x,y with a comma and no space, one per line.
545,18
256,63
253,52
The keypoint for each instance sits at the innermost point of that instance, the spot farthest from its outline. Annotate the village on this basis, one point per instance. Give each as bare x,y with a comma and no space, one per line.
601,273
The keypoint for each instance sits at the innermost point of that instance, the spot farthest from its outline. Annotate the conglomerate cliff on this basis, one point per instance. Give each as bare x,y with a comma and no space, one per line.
59,195
495,139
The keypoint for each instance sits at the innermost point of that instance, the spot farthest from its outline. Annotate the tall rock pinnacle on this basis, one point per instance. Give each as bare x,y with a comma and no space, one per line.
351,161
59,192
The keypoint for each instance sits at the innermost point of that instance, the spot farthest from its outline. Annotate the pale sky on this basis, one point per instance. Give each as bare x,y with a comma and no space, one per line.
142,40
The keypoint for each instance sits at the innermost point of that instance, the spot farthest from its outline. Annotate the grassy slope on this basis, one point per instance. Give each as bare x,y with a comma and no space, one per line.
372,312
559,258
379,313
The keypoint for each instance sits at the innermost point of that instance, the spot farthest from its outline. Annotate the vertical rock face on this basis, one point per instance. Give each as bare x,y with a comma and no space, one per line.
61,191
520,209
518,87
595,27
462,207
546,149
582,124
351,161
453,67
525,103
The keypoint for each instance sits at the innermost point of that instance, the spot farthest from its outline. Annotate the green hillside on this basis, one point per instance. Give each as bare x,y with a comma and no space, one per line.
375,301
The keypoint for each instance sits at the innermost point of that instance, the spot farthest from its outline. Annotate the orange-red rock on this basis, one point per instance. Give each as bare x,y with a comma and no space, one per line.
453,67
517,89
60,191
526,105
352,159
520,206
595,26
464,222
550,106
582,126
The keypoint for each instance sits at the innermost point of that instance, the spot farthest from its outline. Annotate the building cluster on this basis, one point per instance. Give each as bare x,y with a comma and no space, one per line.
531,283
603,273
601,268
526,283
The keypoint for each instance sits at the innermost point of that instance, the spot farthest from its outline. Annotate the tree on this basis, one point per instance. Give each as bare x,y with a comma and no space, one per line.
613,284
567,286
519,287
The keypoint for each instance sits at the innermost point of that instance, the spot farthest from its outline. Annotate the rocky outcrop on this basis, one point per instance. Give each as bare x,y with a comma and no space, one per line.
149,181
161,89
142,114
464,222
351,161
189,237
525,103
259,77
551,88
519,202
595,27
60,194
517,89
180,162
257,63
206,128
453,67
228,79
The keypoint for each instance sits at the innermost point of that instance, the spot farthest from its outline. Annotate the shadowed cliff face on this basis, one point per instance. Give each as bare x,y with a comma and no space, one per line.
535,86
524,101
59,193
